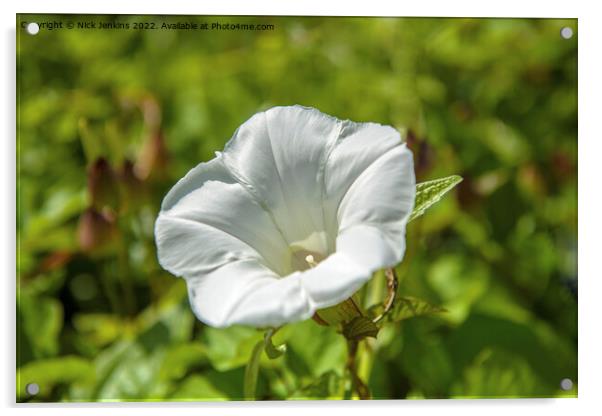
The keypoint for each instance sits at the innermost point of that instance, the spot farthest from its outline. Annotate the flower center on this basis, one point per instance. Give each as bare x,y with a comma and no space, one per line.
311,260
305,259
307,253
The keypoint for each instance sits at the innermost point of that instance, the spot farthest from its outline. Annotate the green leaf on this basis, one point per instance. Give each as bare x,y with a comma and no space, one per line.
99,329
406,307
60,207
229,348
180,359
424,359
126,370
550,356
130,370
39,322
210,385
329,385
50,372
495,372
313,349
169,321
430,192
360,328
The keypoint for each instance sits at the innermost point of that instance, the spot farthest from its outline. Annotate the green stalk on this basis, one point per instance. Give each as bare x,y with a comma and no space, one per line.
252,372
357,385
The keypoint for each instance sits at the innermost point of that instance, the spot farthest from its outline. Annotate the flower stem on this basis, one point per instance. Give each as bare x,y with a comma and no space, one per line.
252,372
365,358
357,385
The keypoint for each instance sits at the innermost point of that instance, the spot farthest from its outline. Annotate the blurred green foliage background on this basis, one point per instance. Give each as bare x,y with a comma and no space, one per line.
109,119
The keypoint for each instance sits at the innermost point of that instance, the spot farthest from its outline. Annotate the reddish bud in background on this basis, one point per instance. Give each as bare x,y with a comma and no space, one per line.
422,153
531,180
563,165
153,157
95,230
151,111
102,185
132,187
467,195
53,261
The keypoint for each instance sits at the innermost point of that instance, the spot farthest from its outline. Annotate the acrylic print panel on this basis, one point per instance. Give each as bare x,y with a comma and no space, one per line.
199,220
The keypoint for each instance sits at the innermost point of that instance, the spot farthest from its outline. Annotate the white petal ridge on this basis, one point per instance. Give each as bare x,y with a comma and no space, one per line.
290,179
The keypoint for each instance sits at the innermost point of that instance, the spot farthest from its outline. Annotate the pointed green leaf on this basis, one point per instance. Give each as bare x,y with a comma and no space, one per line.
360,328
430,192
409,307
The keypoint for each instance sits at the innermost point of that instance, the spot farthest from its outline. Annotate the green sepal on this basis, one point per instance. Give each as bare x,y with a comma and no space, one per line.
341,313
359,328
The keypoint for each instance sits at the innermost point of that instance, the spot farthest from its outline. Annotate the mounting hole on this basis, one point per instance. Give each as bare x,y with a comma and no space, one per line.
566,384
566,32
32,389
32,28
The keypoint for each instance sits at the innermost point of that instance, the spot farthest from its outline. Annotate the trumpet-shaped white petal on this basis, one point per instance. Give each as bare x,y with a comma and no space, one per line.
295,215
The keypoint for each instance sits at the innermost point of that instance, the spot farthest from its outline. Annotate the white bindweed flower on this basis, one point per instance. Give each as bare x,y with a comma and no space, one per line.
295,215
